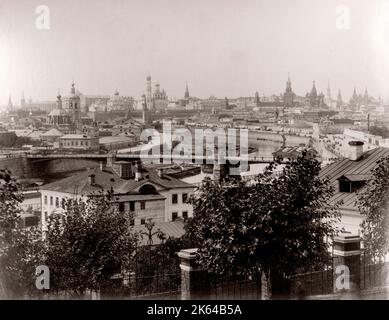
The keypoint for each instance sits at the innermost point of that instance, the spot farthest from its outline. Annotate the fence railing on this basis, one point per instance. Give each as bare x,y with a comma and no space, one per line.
372,273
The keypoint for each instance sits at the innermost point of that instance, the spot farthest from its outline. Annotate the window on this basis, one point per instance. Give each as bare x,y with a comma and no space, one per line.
46,216
184,197
45,200
147,189
82,143
132,222
174,198
121,206
142,221
185,215
174,215
132,206
51,201
57,202
344,186
142,205
63,203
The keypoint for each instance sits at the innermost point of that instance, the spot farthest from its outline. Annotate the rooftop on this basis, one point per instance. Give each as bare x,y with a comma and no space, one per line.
359,170
107,179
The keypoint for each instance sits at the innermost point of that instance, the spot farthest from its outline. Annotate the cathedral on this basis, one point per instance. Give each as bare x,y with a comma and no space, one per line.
70,114
315,100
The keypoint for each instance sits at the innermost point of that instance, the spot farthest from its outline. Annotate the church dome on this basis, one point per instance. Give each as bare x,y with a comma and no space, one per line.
58,112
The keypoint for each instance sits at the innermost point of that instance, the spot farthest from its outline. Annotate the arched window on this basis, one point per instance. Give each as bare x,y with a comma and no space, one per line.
147,189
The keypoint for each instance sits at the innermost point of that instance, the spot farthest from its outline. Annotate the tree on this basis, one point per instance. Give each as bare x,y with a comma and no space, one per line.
20,249
277,225
88,244
373,204
379,131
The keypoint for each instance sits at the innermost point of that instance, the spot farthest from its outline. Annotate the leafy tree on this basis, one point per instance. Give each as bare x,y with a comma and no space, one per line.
88,244
379,131
20,249
373,204
276,225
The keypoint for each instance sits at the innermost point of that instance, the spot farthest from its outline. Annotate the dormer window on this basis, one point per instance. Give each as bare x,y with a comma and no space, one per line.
352,182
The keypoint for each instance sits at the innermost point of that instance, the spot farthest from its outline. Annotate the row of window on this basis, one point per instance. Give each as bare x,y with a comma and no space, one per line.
175,198
132,206
143,220
175,215
58,202
75,143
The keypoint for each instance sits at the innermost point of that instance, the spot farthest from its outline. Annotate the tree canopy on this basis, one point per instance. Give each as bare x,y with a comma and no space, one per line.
373,203
279,223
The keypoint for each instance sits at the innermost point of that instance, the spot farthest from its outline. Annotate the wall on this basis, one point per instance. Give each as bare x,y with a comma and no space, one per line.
180,206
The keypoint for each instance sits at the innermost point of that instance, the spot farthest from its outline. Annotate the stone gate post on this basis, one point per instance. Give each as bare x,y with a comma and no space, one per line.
347,258
195,282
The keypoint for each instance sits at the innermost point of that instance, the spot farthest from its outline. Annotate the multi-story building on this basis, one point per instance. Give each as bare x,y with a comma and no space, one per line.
79,141
144,191
349,177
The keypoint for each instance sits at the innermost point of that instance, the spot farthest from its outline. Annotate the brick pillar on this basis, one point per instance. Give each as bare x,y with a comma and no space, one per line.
346,250
194,280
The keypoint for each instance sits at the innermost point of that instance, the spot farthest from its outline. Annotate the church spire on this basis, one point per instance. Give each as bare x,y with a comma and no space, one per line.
22,100
10,105
186,91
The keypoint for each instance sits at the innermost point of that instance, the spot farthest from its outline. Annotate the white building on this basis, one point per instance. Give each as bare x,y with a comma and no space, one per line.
144,191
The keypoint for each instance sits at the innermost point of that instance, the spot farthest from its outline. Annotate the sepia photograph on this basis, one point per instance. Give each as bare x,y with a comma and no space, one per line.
220,151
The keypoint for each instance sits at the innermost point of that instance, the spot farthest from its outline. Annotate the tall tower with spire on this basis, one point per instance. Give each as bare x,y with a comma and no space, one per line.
149,94
366,97
22,101
186,96
354,97
257,100
328,99
10,104
288,95
74,105
313,96
339,101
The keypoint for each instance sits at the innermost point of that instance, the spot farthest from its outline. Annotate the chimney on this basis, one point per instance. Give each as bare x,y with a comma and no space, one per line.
91,179
160,172
102,165
138,171
355,150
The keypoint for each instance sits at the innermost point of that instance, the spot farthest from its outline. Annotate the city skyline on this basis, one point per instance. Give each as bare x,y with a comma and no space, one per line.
219,48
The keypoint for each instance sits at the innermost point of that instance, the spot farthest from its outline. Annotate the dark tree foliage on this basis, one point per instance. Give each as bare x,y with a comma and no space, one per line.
379,131
278,224
89,244
21,250
373,204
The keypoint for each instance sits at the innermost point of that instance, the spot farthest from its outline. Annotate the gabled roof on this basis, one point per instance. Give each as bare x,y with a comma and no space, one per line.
356,177
151,176
107,179
79,182
52,133
352,169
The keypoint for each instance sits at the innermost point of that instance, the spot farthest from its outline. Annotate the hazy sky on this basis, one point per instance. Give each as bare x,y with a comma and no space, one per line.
220,47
